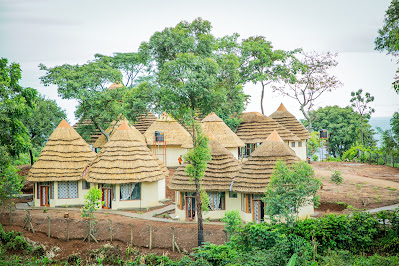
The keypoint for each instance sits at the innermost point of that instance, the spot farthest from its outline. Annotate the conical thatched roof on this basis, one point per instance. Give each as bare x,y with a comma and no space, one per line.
174,133
222,133
145,121
64,157
286,119
125,159
219,173
100,142
256,172
115,86
255,128
86,122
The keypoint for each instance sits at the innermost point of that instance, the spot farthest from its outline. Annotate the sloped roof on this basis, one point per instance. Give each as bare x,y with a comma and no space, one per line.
125,159
101,140
87,122
256,172
174,133
218,175
255,128
286,119
63,158
145,121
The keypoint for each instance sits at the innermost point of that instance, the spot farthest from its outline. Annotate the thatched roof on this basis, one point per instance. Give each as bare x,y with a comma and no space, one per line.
125,159
64,157
87,122
256,172
145,121
255,128
286,119
219,173
115,86
100,142
174,133
215,125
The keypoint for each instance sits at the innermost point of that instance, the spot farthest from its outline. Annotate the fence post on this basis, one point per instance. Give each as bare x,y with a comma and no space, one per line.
131,235
370,158
377,158
110,229
173,239
393,160
48,217
150,235
385,161
67,238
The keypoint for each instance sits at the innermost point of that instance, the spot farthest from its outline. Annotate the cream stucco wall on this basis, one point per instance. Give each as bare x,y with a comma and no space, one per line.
56,202
173,153
234,151
299,151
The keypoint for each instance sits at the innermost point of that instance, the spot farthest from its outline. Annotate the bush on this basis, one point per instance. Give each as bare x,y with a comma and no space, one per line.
315,158
233,222
336,177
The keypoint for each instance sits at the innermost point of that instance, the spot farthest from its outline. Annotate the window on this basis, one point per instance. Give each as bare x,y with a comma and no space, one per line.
299,143
232,194
131,191
248,202
293,144
216,201
68,190
85,184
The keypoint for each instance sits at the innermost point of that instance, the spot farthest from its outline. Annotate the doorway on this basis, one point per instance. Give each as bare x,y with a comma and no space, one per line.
258,210
190,207
107,197
45,195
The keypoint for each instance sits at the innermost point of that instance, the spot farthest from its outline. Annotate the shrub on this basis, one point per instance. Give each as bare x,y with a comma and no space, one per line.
233,222
315,158
336,177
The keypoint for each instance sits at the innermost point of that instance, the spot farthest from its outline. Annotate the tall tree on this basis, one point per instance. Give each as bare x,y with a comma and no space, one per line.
261,64
133,66
343,127
44,118
361,105
15,105
390,137
308,79
195,74
388,39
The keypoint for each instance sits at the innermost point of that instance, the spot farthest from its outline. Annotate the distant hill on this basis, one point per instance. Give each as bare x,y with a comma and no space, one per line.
381,122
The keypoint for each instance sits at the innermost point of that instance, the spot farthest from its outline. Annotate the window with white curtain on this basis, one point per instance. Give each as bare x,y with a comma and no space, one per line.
130,191
68,190
216,201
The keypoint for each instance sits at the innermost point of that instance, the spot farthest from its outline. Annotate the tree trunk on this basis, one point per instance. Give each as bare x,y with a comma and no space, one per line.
261,98
100,128
361,130
198,207
307,116
31,156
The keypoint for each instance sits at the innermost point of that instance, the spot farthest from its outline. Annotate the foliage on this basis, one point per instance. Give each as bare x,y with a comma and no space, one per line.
13,240
289,190
388,35
261,64
361,105
92,202
233,222
44,118
10,184
336,177
390,137
342,125
132,65
308,79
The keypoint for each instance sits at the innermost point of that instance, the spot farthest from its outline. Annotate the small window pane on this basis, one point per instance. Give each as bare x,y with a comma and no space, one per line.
292,144
86,185
232,194
299,143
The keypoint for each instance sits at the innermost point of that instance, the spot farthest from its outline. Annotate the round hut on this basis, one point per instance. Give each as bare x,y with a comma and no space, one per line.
165,138
144,121
212,124
251,181
101,140
255,128
216,182
287,120
58,172
129,175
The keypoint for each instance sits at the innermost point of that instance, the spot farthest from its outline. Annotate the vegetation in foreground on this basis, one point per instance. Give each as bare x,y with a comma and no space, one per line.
357,239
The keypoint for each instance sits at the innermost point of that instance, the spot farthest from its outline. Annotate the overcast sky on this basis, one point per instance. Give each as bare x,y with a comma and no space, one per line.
57,32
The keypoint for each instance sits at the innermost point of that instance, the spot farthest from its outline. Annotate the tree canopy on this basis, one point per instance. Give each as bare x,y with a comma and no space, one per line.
343,125
360,104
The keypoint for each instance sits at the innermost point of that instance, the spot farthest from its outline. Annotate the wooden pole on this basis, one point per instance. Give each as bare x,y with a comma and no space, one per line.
110,229
377,158
48,217
67,238
131,235
385,161
10,214
173,239
370,158
150,236
226,236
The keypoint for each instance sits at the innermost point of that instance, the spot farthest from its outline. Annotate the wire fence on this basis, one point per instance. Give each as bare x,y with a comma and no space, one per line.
378,158
173,236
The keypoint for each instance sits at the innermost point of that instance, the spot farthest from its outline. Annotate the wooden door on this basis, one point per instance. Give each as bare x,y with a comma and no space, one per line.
190,207
107,197
45,196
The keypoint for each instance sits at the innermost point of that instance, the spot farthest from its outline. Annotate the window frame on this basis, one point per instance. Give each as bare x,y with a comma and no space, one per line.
293,144
299,143
68,189
136,184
